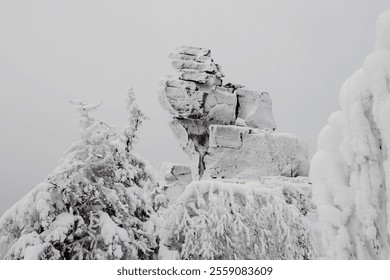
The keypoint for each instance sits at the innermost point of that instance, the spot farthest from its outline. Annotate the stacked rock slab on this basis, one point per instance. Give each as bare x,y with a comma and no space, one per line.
227,131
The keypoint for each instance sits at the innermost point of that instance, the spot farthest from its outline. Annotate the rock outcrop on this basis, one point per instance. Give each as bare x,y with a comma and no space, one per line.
227,131
243,191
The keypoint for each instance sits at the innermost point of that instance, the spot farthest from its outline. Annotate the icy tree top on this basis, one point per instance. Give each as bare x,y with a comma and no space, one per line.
351,171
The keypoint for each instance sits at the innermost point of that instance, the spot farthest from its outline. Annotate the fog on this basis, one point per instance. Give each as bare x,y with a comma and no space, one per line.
53,51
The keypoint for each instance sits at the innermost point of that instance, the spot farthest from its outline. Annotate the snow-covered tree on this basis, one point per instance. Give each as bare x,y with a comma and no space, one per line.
95,205
136,117
220,220
351,169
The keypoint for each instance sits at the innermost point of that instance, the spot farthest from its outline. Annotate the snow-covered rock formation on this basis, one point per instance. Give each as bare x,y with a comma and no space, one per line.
225,127
351,169
243,197
232,210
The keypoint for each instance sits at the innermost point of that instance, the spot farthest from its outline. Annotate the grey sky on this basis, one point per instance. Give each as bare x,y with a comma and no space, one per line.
52,51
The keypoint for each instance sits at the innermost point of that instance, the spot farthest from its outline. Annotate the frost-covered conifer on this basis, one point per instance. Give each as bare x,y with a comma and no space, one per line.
136,117
95,205
351,169
220,220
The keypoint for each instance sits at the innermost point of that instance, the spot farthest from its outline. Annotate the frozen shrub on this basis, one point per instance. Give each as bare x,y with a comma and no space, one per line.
219,220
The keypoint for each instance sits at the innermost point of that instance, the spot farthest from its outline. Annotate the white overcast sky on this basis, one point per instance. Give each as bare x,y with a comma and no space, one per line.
52,51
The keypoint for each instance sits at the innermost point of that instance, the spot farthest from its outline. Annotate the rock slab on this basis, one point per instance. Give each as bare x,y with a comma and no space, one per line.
247,153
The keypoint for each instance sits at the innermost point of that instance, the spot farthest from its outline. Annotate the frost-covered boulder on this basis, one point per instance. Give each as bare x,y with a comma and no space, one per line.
217,219
97,204
351,169
173,179
247,153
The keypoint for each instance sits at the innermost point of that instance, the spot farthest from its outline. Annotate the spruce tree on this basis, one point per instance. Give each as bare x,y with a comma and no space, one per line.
96,204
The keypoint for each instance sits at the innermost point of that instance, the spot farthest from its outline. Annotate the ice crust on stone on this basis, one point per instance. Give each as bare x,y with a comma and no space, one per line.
351,170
